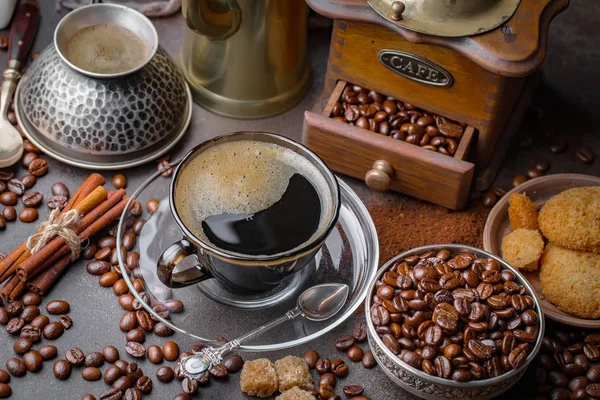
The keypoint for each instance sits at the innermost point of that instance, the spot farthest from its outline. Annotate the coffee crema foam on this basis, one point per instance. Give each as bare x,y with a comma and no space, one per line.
243,177
106,49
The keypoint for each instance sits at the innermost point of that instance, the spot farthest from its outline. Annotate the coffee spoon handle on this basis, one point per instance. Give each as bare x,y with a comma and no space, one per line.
195,365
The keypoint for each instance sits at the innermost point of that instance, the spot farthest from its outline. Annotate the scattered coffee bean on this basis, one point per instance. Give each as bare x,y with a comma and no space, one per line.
132,394
4,41
91,374
310,357
533,173
38,167
98,267
16,186
110,353
107,241
15,308
4,376
15,367
219,371
518,180
6,174
189,386
182,396
28,181
53,330
233,363
352,390
8,198
119,181
120,287
60,189
343,343
144,321
489,199
57,307
355,353
162,330
135,349
165,374
138,226
95,359
155,355
31,299
135,335
9,213
327,379
5,391
57,202
29,313
28,215
32,360
75,356
323,365
28,158
88,397
558,147
112,394
111,374
48,352
339,368
326,391
170,351
108,279
14,326
152,205
4,318
359,332
66,321
175,306
62,369
32,333
122,383
41,321
585,155
22,346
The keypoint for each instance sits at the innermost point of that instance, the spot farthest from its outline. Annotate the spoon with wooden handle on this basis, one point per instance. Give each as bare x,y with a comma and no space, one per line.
22,33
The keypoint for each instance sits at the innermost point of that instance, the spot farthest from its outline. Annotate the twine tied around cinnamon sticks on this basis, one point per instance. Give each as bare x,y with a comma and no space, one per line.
57,225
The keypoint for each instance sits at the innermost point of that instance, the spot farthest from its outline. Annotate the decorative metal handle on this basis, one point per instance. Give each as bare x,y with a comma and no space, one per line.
169,260
195,365
380,177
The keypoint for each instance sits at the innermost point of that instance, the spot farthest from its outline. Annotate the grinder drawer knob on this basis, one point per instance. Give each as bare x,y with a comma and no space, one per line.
398,8
380,177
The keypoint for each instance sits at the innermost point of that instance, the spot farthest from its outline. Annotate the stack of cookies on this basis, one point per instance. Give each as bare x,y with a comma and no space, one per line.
563,242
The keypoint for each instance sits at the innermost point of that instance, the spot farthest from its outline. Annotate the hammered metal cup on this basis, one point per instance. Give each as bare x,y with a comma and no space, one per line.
430,387
247,273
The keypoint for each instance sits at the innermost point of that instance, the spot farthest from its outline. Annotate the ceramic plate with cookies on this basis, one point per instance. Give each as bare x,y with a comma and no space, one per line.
549,228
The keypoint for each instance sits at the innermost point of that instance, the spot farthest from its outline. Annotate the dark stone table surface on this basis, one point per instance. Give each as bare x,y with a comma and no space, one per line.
569,95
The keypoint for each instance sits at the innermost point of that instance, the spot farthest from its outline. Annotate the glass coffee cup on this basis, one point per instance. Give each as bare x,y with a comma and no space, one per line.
248,230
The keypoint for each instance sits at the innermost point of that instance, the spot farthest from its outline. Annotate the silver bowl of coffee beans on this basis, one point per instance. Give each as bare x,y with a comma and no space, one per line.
453,322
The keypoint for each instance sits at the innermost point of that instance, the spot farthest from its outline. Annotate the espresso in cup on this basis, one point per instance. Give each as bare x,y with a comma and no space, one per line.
253,198
106,49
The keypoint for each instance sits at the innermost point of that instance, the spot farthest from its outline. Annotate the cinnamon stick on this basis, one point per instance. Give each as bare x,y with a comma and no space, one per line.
13,268
38,261
91,183
12,289
44,281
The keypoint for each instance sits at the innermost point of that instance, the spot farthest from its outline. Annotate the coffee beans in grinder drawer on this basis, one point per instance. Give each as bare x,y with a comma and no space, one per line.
455,316
387,116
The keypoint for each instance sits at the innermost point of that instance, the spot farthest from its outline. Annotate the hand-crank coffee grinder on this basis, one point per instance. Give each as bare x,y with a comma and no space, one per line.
246,58
473,61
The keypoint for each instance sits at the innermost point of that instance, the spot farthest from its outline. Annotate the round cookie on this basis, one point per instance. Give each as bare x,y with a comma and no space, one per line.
571,219
571,280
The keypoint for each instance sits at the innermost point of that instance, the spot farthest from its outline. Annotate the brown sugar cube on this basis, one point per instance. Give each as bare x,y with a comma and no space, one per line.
258,378
522,212
523,248
295,393
293,371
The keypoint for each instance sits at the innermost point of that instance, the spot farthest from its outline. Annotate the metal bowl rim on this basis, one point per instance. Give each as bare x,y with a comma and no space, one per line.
442,381
97,75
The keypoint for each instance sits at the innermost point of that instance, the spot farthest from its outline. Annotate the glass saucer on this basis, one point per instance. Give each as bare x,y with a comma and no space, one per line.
350,255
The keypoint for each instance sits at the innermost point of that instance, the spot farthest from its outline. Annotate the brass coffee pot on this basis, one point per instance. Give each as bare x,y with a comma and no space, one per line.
246,58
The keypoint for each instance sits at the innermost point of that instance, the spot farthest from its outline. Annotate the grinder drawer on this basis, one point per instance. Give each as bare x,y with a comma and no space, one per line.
387,163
